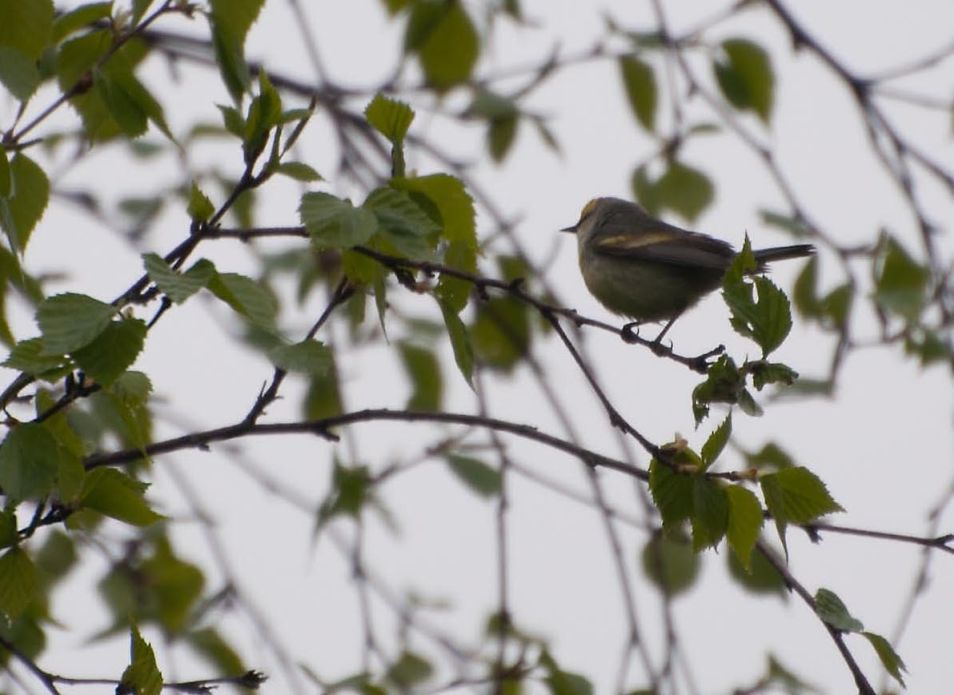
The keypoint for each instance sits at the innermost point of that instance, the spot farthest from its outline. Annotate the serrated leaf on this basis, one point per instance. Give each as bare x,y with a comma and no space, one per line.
889,658
402,222
672,493
445,41
247,297
231,21
307,357
29,462
113,351
710,512
833,611
460,342
336,223
745,77
796,495
745,523
766,320
115,494
70,321
18,582
390,117
23,209
142,676
424,371
670,563
639,81
175,285
716,441
27,356
454,205
475,474
199,207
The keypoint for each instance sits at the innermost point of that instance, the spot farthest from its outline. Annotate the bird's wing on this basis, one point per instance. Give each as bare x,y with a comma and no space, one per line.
667,244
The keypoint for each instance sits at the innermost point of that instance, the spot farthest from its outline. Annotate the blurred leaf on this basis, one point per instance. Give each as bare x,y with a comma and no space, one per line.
209,644
29,462
231,21
455,292
18,582
27,356
307,357
176,586
200,207
324,395
409,669
350,491
424,371
889,658
745,77
681,188
760,577
771,456
640,84
142,676
26,26
475,474
299,171
501,332
833,611
745,523
115,494
670,563
22,210
18,73
901,284
8,528
336,223
446,43
805,291
79,18
837,305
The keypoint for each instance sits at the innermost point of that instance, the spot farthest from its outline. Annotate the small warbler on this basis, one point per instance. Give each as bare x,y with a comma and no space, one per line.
649,270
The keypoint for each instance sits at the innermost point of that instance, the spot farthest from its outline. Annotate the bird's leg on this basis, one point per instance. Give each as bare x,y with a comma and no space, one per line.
657,345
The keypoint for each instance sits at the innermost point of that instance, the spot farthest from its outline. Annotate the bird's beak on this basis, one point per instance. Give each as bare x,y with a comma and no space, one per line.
571,229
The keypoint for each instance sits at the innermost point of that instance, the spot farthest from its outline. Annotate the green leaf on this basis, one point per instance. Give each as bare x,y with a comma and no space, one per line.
200,207
771,456
409,669
24,207
26,26
445,41
113,351
770,373
716,441
175,285
390,117
209,644
672,493
565,683
324,395
8,528
901,284
175,585
796,495
724,383
670,563
710,512
307,357
115,494
746,78
29,462
836,305
501,133
18,73
246,297
70,321
475,474
640,84
760,577
121,104
889,658
768,320
745,523
350,491
833,611
6,176
402,222
142,676
453,203
79,18
456,291
299,171
231,21
501,332
336,223
460,342
27,356
424,371
18,582
683,189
